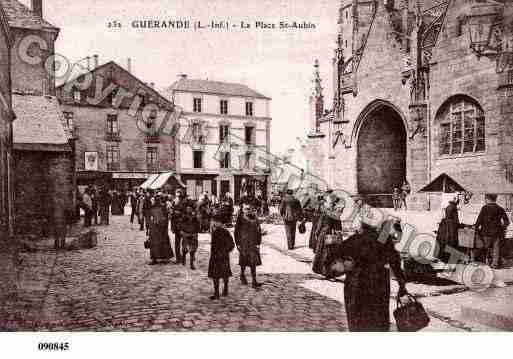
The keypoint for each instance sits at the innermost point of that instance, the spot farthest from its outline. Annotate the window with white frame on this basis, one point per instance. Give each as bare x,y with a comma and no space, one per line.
197,158
68,117
152,158
225,161
112,124
77,96
462,128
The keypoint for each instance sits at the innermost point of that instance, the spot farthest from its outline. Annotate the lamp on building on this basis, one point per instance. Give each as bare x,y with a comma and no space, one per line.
484,28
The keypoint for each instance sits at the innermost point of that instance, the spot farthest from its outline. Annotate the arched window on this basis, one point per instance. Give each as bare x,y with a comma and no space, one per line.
461,127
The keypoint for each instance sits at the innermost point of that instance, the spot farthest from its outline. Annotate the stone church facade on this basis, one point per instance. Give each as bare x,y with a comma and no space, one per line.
420,88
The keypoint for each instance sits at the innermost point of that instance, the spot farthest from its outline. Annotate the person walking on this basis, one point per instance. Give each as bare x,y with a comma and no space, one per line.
316,216
367,281
94,209
329,224
491,225
88,207
248,237
160,246
132,196
189,230
291,212
140,209
105,202
221,244
447,234
146,205
176,214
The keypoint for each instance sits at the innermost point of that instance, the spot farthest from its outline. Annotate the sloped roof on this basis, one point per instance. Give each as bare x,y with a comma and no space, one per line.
214,87
38,120
21,16
130,86
443,183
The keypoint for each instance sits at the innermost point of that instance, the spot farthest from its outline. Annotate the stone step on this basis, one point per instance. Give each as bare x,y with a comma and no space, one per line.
494,315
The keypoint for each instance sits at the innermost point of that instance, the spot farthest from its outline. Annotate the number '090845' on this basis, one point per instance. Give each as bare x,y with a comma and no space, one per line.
53,346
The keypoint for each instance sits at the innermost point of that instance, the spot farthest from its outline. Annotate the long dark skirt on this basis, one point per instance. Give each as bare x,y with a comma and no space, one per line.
322,253
447,235
160,246
219,266
367,299
312,241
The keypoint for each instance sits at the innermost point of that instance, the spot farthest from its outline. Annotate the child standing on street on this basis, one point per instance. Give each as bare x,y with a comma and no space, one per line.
221,246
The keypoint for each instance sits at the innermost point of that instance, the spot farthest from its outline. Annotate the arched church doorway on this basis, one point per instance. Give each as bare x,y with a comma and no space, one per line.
381,160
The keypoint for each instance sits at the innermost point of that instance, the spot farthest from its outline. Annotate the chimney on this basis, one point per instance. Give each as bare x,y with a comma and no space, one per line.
129,65
88,63
95,61
182,76
37,8
152,85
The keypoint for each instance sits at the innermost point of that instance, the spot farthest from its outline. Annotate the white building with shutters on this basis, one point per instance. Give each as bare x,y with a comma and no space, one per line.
224,137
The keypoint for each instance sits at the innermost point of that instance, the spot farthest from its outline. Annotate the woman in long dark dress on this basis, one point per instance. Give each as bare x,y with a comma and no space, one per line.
248,237
447,234
160,245
221,246
328,224
316,216
367,285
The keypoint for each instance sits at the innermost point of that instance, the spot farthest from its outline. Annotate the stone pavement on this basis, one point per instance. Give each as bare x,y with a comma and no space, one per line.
112,288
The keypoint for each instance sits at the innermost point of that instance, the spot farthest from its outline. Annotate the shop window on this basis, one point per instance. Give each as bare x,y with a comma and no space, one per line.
462,128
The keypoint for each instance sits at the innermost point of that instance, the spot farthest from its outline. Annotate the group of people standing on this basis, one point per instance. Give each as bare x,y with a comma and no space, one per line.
187,218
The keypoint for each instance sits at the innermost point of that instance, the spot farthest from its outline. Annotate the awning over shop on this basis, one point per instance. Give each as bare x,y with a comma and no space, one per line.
146,184
163,179
443,184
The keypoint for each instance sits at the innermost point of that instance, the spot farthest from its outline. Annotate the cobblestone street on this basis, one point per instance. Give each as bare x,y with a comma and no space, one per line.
112,288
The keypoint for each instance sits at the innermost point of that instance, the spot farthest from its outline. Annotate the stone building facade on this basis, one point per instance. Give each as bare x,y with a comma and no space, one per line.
123,128
44,200
421,88
6,118
224,137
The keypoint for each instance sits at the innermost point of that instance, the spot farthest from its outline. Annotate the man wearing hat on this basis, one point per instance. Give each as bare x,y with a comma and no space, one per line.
291,211
491,225
176,213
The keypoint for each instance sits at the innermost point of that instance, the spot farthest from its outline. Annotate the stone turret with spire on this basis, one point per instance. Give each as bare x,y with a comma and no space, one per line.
316,100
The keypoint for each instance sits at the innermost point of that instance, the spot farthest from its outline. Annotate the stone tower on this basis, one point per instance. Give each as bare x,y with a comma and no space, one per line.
316,100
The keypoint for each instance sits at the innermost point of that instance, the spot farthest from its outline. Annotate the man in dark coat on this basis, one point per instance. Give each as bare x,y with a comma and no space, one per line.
133,204
105,202
291,211
177,212
367,285
227,209
94,197
491,225
248,237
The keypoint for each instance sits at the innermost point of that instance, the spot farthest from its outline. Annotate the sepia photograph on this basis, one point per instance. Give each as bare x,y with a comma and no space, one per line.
255,166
